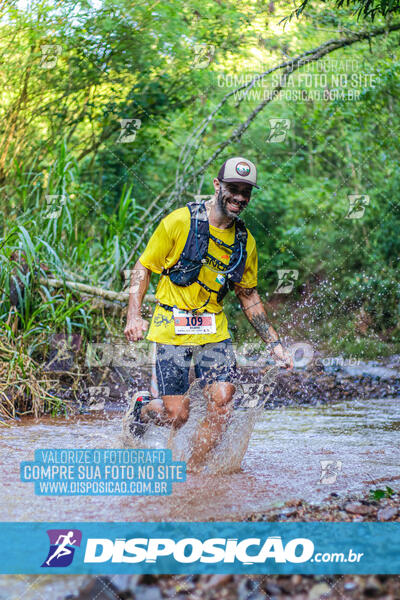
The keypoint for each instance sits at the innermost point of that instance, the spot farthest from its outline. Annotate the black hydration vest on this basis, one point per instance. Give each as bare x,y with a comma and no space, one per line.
186,270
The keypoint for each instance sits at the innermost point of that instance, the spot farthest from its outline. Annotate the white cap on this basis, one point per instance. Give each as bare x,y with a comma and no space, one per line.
239,169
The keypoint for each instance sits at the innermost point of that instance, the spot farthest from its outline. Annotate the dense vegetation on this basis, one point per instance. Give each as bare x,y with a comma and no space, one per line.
80,197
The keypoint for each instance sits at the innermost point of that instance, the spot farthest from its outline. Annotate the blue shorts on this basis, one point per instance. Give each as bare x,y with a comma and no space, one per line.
212,362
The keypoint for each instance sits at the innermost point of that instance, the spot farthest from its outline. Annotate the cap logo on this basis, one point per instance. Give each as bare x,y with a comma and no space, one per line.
243,169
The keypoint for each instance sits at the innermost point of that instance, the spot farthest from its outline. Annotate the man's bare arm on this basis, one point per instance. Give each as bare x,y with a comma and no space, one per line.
254,310
139,283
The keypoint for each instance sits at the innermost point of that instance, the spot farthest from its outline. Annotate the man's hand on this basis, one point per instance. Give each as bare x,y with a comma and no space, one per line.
282,357
135,327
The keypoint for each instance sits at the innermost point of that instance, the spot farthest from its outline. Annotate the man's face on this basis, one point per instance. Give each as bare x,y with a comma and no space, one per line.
233,198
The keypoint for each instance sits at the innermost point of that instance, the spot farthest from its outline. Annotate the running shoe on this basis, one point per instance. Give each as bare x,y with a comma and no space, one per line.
132,419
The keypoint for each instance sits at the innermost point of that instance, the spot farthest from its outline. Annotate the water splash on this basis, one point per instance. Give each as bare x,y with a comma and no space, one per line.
226,457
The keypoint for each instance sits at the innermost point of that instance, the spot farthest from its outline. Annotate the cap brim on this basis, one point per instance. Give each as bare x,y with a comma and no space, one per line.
235,180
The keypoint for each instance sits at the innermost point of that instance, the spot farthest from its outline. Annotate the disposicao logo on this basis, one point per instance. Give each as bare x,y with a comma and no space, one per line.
189,550
62,547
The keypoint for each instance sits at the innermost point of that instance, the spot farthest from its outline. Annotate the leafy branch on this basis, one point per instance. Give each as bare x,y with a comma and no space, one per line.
187,174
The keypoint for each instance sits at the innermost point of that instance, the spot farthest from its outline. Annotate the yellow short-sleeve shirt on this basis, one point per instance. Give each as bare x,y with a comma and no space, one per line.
163,251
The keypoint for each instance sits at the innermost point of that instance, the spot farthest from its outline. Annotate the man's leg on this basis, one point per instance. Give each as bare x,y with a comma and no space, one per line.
172,370
219,397
215,364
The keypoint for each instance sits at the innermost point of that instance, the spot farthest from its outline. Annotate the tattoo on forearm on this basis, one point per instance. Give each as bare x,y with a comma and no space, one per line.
261,325
246,292
251,305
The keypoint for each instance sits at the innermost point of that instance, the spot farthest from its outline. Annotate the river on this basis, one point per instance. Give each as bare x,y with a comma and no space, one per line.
283,461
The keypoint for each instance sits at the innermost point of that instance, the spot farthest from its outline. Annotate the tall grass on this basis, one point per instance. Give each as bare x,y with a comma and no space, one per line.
58,225
24,389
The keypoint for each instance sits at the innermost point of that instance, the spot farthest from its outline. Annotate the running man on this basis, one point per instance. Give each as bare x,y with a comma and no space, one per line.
62,549
201,252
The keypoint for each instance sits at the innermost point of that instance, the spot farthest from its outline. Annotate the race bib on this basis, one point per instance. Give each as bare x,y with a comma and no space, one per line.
187,322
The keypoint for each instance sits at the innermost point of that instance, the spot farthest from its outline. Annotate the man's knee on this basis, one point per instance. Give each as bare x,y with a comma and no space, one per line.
220,395
177,409
178,417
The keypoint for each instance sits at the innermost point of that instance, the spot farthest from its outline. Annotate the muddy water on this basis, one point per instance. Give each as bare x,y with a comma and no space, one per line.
283,461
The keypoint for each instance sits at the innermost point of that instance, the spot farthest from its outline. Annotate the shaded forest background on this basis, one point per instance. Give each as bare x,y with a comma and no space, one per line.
79,200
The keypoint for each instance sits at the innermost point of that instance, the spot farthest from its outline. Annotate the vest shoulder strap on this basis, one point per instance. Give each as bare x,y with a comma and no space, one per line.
197,210
241,230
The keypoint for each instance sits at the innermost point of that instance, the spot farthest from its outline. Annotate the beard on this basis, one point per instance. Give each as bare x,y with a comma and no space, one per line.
223,199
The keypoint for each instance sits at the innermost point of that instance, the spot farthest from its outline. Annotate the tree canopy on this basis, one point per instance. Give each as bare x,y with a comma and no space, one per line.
118,112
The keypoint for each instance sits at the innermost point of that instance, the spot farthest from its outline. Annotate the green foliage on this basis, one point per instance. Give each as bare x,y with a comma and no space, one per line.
74,196
379,494
367,9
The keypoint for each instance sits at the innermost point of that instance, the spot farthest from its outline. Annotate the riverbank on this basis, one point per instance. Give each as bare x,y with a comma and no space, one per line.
377,505
69,386
318,383
336,380
241,587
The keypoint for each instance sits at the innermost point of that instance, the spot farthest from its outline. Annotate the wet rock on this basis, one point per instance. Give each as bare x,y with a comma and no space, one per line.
341,515
97,397
287,512
356,508
319,591
294,503
125,583
217,580
272,588
385,514
296,579
186,585
147,592
100,588
133,582
245,588
119,390
285,584
349,586
372,588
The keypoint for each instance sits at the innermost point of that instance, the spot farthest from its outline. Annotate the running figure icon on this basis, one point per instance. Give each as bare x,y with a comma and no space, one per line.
62,549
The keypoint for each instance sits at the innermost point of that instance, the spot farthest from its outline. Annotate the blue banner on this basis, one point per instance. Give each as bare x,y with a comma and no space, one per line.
258,548
100,472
